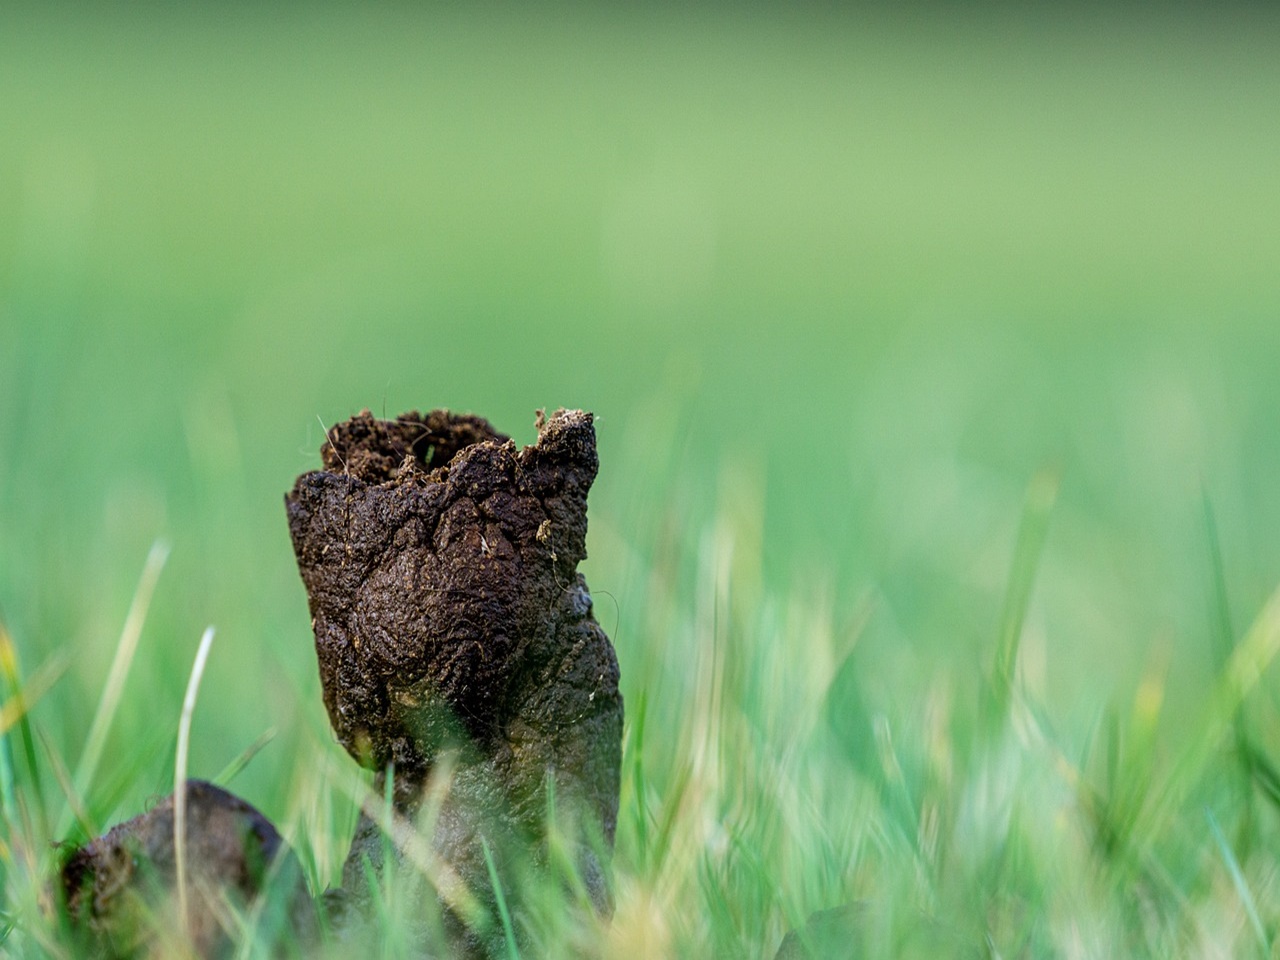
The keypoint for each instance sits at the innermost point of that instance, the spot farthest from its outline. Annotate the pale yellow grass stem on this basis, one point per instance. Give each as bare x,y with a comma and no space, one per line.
180,774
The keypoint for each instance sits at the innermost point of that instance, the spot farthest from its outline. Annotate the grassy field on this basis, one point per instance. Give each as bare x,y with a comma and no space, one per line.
935,367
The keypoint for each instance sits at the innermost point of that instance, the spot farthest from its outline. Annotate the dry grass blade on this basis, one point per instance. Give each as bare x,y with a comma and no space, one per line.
180,774
450,887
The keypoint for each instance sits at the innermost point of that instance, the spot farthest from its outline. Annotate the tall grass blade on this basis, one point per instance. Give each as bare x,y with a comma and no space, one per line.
1241,674
640,806
1225,642
20,699
850,721
27,695
232,769
1265,775
180,776
1033,530
1241,884
388,853
126,647
667,821
116,781
266,929
508,933
63,777
417,850
1224,632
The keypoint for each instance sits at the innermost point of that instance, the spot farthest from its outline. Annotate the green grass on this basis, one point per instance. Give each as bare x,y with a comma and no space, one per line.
845,290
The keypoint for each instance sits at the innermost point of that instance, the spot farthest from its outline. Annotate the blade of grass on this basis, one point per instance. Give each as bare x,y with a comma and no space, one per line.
232,769
1241,884
640,807
1033,530
264,928
439,783
1265,775
180,777
418,851
670,816
12,671
1242,673
509,934
388,854
124,775
42,679
1225,643
559,845
63,777
1224,633
896,792
126,647
8,783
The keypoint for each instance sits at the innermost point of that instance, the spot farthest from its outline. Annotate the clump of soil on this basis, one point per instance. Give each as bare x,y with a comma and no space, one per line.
121,889
440,564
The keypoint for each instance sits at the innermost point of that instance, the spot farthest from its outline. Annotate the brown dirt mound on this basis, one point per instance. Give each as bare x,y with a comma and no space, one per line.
440,563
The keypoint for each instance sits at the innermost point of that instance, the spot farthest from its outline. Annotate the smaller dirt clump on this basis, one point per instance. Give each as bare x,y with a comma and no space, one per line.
121,889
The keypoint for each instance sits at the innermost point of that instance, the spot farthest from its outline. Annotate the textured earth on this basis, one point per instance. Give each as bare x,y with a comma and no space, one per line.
440,562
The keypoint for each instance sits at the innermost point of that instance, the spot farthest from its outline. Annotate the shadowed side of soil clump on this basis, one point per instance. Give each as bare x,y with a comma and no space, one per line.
121,889
440,564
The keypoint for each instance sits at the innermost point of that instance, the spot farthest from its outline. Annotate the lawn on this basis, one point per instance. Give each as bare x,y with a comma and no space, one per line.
934,364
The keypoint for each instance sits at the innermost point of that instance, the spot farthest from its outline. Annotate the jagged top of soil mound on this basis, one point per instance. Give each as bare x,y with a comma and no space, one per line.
374,450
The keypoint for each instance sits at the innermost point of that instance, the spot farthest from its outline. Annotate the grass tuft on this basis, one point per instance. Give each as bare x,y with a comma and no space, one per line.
762,789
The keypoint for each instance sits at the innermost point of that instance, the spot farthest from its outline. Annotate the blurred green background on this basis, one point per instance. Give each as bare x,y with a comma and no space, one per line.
847,278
